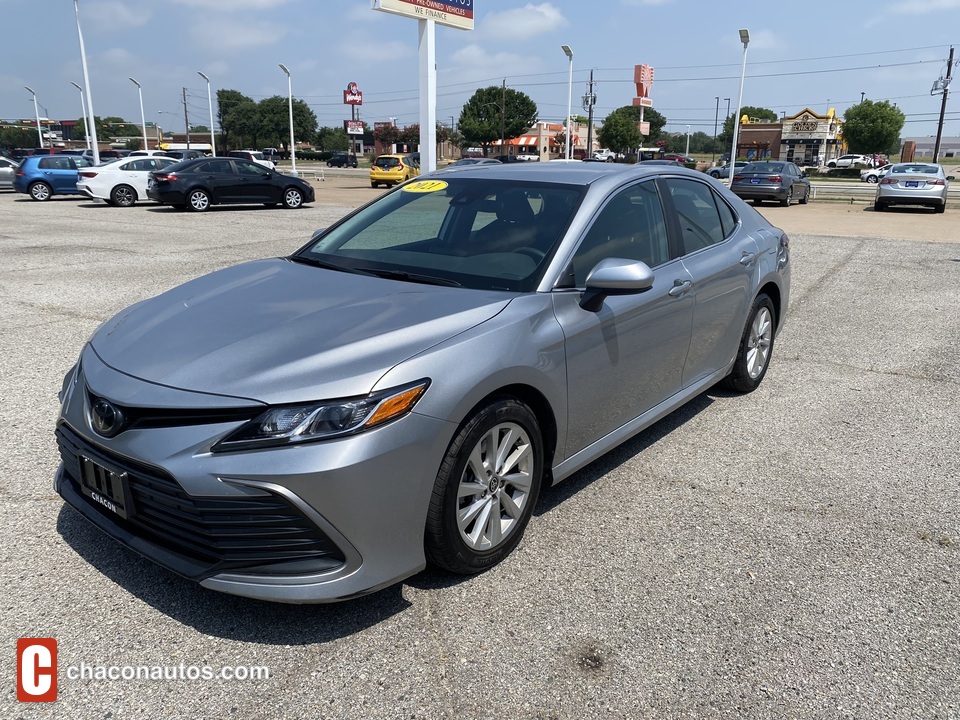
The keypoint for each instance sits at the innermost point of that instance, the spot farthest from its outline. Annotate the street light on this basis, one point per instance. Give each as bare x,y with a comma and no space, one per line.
83,113
37,113
143,120
687,151
213,142
569,53
91,124
293,150
745,39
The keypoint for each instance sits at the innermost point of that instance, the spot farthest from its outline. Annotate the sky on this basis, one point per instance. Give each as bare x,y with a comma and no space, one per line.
800,55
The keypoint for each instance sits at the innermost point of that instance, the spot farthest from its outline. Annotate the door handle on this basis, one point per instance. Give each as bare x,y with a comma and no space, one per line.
679,288
747,258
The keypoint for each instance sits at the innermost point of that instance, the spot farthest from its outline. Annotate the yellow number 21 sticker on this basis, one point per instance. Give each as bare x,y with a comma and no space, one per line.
424,186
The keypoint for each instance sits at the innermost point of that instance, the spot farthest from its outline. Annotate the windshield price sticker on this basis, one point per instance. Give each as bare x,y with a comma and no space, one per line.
424,186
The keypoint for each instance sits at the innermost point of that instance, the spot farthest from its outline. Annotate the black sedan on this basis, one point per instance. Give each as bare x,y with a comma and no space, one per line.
198,184
772,180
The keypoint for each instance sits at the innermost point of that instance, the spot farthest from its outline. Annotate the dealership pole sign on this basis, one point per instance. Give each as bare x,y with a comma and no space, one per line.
453,13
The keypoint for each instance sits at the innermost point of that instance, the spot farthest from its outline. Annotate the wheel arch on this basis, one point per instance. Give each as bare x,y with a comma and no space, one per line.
539,406
772,291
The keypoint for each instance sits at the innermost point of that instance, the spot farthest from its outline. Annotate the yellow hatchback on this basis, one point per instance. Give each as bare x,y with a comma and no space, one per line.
393,170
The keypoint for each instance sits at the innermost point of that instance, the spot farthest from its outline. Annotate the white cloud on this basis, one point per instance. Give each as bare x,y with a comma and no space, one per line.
922,7
222,6
523,22
475,63
113,15
235,36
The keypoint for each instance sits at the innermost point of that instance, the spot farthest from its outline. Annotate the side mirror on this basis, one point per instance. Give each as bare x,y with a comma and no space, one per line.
615,276
951,177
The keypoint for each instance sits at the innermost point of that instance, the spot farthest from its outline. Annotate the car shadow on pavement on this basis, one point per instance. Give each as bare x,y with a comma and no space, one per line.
218,614
551,497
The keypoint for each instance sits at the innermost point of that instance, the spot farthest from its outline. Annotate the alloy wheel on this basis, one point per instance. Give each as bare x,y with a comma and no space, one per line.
758,346
495,486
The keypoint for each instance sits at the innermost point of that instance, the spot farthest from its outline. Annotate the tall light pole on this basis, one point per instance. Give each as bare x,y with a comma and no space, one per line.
293,150
213,142
569,53
143,119
745,39
716,119
687,151
36,112
91,125
83,113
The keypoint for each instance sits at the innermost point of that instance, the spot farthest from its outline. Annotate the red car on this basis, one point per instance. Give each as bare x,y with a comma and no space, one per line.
678,157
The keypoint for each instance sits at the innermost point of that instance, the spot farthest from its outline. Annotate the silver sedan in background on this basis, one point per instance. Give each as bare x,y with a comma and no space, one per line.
8,169
914,183
315,427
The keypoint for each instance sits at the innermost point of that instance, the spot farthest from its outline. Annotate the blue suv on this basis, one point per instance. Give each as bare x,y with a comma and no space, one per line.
42,176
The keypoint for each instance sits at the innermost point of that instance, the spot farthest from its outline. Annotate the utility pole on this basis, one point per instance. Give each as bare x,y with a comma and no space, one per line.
589,100
943,107
716,117
503,116
186,120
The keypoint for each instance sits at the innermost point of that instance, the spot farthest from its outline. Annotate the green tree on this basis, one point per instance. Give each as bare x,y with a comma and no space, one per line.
387,135
332,139
232,109
873,127
275,121
241,124
494,111
725,138
18,137
134,143
620,133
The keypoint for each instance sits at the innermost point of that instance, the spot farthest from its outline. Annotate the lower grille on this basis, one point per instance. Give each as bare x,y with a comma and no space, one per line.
244,533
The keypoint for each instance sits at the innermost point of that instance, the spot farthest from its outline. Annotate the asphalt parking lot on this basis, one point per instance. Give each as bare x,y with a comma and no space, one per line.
793,553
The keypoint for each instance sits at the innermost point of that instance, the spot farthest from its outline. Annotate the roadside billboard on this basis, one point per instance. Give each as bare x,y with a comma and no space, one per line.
453,13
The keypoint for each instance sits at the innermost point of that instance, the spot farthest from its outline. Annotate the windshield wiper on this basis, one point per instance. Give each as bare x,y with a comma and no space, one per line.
316,262
409,277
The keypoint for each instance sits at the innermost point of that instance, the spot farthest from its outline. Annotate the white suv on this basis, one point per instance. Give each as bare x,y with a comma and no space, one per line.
254,155
850,160
605,155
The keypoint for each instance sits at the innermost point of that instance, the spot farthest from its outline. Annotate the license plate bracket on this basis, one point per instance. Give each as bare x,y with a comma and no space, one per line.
108,487
912,183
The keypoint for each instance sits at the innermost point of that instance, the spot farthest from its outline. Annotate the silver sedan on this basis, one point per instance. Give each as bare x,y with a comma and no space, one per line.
8,169
916,183
315,427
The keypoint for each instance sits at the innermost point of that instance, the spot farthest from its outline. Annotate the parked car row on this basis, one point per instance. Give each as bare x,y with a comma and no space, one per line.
194,184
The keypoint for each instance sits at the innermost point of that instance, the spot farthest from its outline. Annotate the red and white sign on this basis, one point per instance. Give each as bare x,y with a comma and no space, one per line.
353,127
643,127
352,95
643,77
36,669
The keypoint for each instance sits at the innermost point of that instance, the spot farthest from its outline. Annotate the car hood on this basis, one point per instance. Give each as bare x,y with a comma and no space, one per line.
276,331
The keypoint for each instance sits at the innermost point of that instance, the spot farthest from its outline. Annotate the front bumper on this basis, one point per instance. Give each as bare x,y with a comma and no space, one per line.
317,522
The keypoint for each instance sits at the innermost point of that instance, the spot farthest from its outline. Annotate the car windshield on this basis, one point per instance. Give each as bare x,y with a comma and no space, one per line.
764,167
916,169
478,233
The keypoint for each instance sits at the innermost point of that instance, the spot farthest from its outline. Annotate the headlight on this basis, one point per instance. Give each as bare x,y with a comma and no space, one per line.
291,424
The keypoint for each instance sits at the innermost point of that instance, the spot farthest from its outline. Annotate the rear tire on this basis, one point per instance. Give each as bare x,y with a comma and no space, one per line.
40,191
873,179
940,208
879,206
787,200
486,488
198,201
123,196
756,348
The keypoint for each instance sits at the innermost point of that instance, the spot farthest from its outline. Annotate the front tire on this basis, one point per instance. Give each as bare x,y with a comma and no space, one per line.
486,488
756,347
40,191
292,198
123,196
198,201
